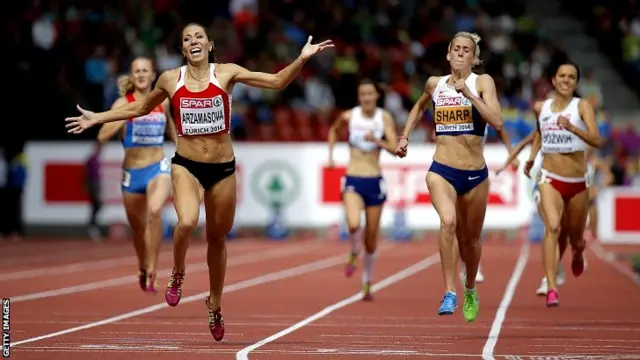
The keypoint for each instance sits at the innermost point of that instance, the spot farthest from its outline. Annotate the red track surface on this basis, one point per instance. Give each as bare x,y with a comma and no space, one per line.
598,316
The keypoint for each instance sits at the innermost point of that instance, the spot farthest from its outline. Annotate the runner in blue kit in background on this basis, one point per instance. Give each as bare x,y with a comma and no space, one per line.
146,181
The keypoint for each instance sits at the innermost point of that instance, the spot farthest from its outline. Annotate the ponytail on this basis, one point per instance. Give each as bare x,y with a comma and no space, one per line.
125,85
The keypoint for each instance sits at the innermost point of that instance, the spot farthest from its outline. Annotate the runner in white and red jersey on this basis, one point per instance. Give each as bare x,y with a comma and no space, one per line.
566,126
204,163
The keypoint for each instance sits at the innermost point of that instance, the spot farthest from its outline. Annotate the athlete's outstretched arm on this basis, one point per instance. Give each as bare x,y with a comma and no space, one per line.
109,130
591,136
391,139
489,105
133,109
139,107
341,121
284,76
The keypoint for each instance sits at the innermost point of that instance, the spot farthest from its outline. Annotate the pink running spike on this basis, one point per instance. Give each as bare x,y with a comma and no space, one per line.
350,268
552,298
174,289
216,322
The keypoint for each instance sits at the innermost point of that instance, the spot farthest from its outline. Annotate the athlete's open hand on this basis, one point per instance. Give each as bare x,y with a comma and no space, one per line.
310,49
78,124
401,149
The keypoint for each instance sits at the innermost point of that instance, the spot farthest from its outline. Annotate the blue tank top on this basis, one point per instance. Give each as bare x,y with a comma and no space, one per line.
454,114
146,130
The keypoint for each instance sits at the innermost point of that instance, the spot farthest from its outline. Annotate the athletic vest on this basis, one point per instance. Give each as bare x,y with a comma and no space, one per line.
206,112
454,114
556,139
146,130
359,126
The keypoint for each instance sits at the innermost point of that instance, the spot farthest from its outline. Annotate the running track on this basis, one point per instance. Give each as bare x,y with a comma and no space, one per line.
289,300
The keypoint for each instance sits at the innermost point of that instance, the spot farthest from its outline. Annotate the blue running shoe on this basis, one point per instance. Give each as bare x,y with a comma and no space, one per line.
448,304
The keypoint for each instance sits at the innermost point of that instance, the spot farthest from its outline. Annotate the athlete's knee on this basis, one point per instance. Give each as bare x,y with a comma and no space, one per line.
353,226
154,213
218,242
472,245
353,222
187,223
448,223
554,227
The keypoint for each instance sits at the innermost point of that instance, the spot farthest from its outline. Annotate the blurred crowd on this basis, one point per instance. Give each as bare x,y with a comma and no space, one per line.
76,49
616,25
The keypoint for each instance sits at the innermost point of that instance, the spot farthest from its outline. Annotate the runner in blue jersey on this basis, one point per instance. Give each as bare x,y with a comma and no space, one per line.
146,181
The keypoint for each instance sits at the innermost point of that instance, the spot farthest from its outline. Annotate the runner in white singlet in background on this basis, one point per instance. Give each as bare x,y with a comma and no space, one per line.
370,130
566,127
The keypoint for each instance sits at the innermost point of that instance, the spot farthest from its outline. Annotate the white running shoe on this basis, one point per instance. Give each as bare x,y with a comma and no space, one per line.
479,274
544,287
560,277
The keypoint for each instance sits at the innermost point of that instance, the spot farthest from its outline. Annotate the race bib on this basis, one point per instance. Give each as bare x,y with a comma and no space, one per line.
165,165
126,178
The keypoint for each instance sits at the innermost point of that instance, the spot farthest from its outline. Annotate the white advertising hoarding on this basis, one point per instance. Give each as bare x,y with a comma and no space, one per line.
295,173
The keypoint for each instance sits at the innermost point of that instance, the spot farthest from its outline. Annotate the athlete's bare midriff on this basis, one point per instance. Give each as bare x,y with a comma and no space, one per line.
207,149
572,165
462,152
141,157
365,164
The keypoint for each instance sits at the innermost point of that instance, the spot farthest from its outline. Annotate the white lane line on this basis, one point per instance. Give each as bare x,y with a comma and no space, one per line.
264,279
130,279
501,313
397,277
87,265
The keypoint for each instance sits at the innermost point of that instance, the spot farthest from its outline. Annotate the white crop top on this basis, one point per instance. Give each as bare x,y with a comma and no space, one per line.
556,139
359,126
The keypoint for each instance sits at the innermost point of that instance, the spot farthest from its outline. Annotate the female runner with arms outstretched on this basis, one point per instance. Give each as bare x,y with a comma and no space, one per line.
200,95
